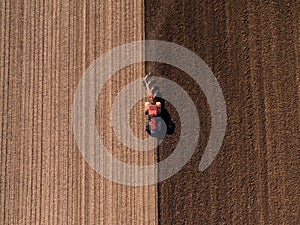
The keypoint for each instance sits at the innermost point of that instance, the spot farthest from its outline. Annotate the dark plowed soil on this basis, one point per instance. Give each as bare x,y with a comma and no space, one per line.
253,50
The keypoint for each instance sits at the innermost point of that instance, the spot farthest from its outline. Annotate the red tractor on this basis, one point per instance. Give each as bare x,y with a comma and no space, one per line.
152,108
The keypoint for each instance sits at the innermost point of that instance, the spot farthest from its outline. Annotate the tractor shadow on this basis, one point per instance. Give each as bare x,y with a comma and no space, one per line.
165,115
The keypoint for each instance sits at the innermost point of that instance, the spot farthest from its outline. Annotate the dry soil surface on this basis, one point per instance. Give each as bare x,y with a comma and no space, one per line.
45,48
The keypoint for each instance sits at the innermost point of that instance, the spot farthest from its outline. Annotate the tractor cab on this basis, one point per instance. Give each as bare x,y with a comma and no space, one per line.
152,108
